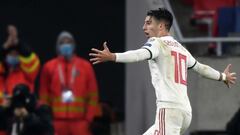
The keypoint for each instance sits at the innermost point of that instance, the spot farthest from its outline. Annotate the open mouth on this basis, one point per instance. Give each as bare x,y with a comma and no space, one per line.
147,34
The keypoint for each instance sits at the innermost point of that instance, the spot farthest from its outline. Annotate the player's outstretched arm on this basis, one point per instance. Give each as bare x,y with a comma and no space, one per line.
206,71
99,56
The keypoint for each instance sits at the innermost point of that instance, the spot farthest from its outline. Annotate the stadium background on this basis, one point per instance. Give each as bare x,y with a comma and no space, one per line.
126,87
91,22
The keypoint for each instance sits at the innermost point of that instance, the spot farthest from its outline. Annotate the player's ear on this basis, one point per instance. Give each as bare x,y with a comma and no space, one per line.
161,25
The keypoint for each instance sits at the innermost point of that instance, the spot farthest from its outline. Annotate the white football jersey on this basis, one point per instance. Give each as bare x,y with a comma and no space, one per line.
168,66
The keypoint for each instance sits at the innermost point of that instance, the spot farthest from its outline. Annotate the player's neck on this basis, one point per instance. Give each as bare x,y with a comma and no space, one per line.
163,34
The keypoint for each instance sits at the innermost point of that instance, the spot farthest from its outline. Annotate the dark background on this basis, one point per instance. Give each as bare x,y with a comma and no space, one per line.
91,21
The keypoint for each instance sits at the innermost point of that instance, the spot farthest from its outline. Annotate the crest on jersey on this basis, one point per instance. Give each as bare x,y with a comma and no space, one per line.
148,44
151,39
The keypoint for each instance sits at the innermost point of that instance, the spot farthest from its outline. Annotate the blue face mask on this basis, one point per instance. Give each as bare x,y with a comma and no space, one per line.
12,60
66,50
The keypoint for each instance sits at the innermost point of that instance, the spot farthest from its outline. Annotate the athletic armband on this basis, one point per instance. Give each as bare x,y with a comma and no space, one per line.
222,77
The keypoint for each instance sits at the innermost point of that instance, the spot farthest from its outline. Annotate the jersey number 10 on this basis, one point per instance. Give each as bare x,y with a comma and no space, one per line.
180,72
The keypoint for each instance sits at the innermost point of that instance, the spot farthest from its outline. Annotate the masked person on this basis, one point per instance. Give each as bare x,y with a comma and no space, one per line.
69,86
2,132
1,79
20,65
2,124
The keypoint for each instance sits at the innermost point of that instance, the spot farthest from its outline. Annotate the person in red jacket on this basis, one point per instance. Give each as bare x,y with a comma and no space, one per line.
2,132
69,86
19,64
1,79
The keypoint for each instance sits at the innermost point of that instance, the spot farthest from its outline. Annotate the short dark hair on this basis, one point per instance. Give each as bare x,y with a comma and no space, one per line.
162,14
22,97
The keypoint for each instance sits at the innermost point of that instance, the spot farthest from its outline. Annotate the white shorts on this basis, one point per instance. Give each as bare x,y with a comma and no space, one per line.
170,121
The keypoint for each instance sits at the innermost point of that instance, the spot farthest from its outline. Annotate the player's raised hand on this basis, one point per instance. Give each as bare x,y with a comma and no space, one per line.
100,56
230,76
12,36
12,31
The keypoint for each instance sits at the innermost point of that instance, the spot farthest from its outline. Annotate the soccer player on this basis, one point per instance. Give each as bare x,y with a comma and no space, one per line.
168,62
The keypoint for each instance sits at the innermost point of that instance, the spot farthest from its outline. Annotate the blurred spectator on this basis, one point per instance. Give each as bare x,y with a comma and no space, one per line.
1,90
102,125
1,78
69,86
25,116
233,126
18,64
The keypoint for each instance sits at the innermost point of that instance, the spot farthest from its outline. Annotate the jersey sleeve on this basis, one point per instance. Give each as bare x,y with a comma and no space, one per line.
153,46
149,50
191,62
204,70
133,56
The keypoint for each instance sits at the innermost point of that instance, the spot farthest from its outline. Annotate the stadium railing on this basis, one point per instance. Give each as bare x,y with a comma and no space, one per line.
218,40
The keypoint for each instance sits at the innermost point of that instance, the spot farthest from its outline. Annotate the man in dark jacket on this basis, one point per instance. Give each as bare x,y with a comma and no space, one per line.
25,116
233,126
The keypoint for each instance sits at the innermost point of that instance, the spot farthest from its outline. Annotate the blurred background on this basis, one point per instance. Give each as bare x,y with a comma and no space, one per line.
209,29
